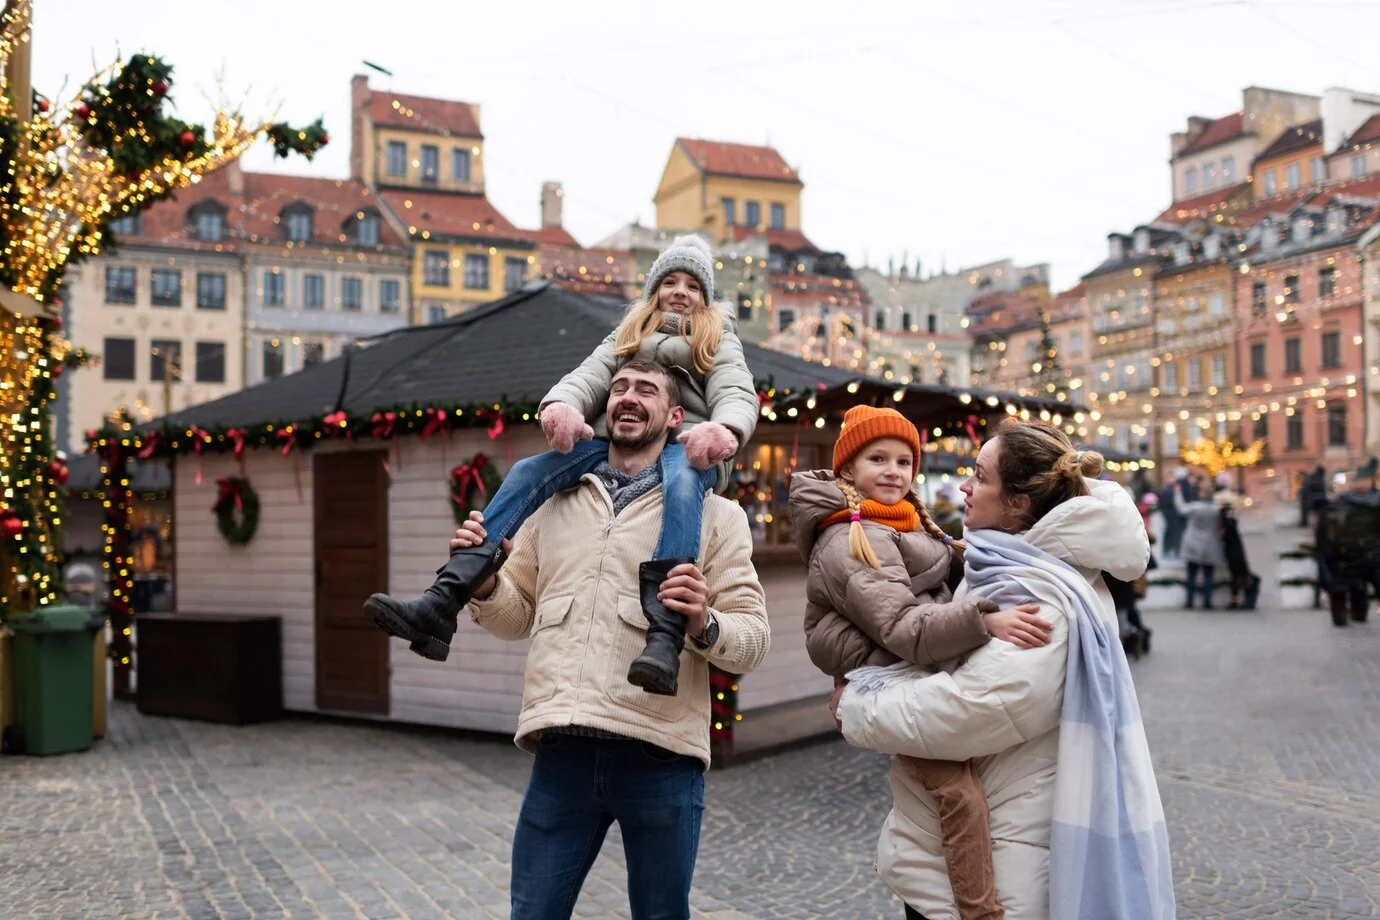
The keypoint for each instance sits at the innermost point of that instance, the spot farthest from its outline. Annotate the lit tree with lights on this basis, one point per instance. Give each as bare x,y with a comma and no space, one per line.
1046,372
71,169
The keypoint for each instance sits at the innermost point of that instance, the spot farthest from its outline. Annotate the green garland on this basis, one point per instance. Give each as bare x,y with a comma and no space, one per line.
237,496
472,485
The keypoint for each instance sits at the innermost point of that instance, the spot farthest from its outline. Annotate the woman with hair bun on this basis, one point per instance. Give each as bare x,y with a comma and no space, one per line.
1054,731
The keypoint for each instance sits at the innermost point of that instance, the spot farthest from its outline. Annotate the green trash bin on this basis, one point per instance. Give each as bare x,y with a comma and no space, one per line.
53,678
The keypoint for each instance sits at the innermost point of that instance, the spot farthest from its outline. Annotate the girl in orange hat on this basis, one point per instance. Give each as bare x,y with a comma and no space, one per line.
880,591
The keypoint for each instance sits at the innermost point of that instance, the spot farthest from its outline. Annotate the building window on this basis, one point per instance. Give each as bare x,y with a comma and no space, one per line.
880,320
129,225
435,313
1217,304
1293,355
1358,165
752,213
1317,170
1171,376
1076,343
313,353
1291,288
436,269
313,291
1293,431
460,165
274,284
207,222
730,215
778,217
1195,375
367,230
1191,180
210,291
1262,428
1228,169
477,271
1219,370
1258,369
1259,305
1031,350
431,164
907,322
119,284
776,262
785,319
1291,176
351,294
514,273
117,359
1209,176
1336,425
273,360
389,295
165,288
298,222
1331,349
745,308
1271,182
165,360
932,323
397,158
1327,281
210,362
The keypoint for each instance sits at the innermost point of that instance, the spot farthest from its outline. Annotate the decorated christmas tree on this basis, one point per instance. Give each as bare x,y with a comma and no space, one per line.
1046,371
71,168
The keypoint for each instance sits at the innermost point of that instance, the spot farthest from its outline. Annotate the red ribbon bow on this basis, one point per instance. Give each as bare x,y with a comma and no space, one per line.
495,420
236,436
970,424
466,475
336,422
437,421
288,437
150,445
229,491
199,440
384,424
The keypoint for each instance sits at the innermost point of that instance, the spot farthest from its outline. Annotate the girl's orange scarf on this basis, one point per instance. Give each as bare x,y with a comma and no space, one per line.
901,516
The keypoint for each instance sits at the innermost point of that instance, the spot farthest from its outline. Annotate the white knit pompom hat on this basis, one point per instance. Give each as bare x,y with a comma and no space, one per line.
688,253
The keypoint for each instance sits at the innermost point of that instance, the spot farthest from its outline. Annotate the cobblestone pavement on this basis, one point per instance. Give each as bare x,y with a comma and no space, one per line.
1265,727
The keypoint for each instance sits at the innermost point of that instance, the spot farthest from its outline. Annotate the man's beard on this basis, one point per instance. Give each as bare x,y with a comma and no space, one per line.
632,445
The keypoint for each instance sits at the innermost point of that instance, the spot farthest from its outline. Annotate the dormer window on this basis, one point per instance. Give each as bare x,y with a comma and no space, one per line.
1181,252
1212,247
1142,242
367,230
1302,229
1116,248
206,221
1269,236
297,222
1336,220
129,225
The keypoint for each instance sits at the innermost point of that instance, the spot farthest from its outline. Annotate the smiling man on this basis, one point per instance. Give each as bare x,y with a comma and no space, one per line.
605,749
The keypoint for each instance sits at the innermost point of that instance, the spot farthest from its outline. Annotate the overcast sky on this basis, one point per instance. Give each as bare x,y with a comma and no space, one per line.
961,131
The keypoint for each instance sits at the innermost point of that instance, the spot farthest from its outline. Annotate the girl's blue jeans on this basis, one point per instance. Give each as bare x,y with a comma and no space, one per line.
533,480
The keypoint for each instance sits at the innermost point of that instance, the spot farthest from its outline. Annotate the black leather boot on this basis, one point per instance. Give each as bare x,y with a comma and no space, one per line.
657,668
428,621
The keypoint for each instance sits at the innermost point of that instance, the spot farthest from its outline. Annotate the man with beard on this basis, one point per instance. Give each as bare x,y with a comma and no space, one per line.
605,749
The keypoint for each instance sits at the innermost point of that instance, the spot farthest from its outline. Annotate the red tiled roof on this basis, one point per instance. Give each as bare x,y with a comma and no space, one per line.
418,113
453,215
1367,133
1077,292
335,202
789,240
1299,137
165,223
737,160
1220,131
553,236
1201,206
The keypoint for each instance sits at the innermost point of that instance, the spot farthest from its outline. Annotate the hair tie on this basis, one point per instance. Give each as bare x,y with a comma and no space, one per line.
855,516
1078,457
948,538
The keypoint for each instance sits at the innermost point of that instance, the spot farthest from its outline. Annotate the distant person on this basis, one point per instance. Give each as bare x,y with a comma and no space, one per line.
1204,552
1312,494
1347,547
1170,497
946,511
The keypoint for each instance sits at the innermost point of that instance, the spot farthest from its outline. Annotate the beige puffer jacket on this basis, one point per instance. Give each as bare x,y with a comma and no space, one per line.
727,394
857,615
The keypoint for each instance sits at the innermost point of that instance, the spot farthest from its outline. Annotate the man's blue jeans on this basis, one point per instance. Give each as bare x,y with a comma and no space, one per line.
578,788
533,480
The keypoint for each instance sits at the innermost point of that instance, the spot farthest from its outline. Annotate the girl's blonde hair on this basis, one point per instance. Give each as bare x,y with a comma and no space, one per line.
646,316
860,548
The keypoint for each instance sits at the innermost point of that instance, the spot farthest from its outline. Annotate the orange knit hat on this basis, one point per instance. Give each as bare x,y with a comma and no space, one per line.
863,424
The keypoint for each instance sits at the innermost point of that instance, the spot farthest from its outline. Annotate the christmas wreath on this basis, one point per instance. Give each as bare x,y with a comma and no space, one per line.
236,510
472,484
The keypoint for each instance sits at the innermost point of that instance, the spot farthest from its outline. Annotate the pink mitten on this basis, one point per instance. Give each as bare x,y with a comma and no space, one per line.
708,443
563,425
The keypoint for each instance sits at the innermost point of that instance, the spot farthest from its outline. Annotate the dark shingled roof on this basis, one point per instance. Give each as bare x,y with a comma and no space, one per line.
512,350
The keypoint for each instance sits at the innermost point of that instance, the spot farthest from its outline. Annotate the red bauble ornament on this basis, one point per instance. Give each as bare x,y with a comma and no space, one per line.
325,139
10,525
43,105
160,88
57,471
187,138
83,111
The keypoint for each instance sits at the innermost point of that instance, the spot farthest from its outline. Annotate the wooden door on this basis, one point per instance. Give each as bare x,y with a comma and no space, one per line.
351,503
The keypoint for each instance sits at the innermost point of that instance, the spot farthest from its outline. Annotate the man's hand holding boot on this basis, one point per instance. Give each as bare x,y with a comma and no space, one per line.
686,592
471,534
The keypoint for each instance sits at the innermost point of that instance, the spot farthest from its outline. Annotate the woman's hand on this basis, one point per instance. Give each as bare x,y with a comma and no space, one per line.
839,687
1019,625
